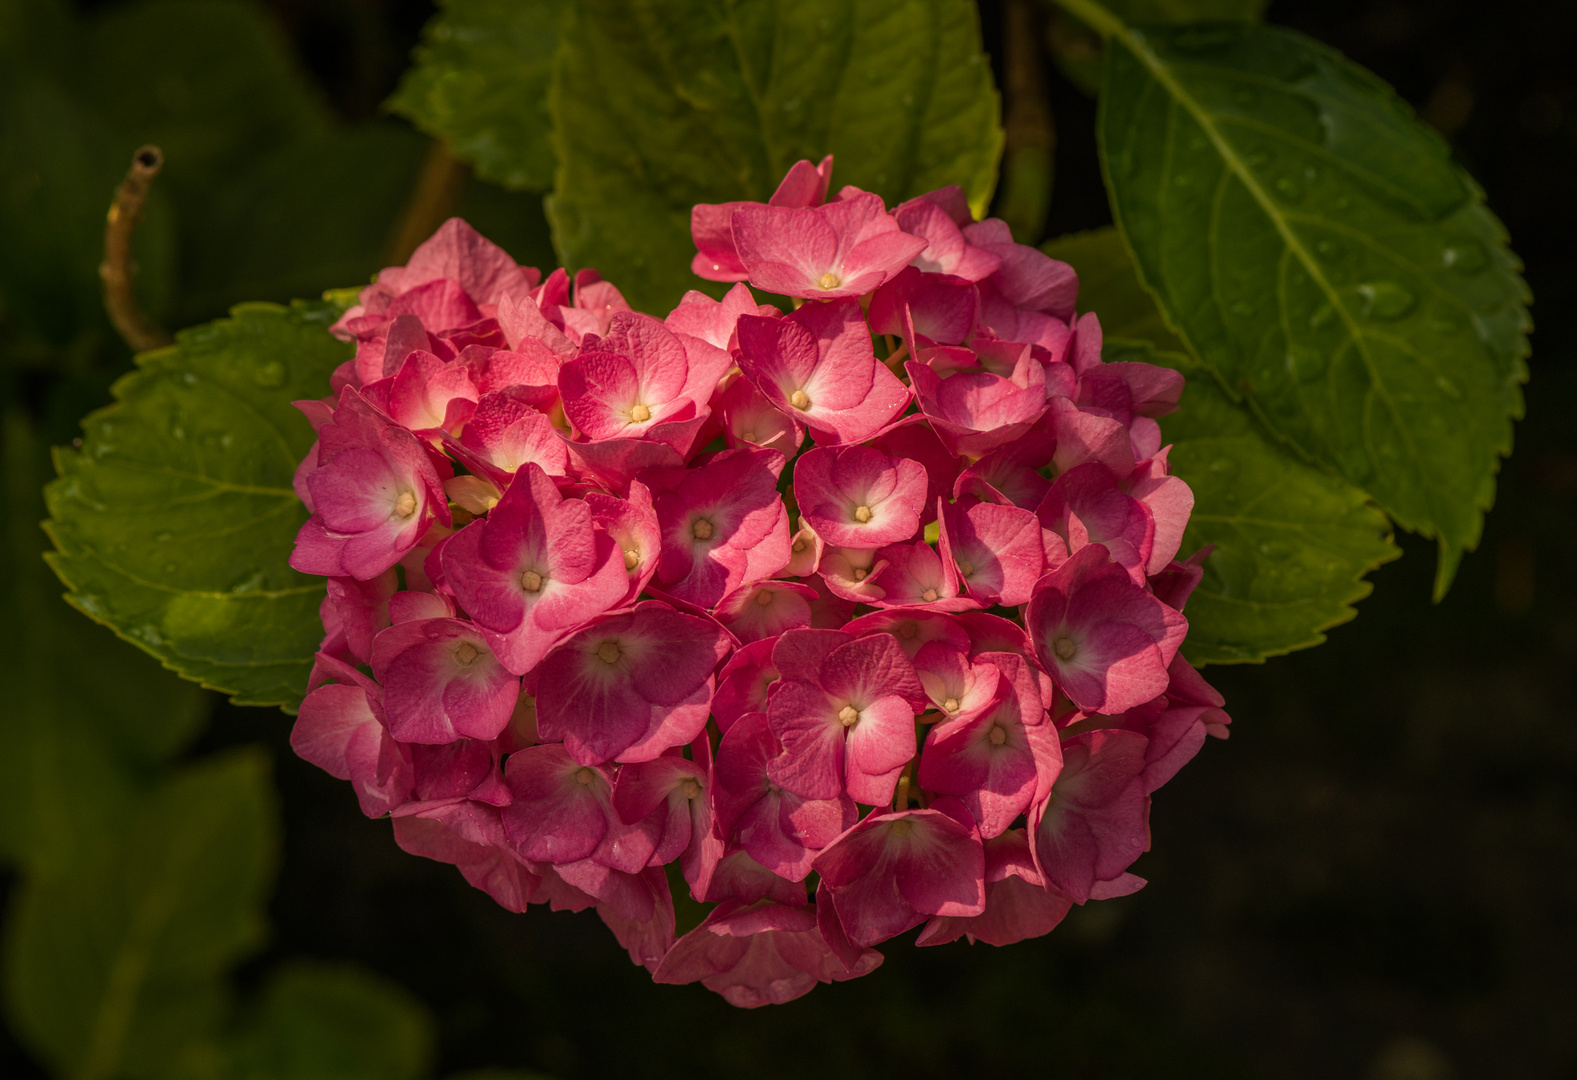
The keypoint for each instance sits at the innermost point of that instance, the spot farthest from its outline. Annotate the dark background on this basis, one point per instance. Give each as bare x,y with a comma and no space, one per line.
1376,877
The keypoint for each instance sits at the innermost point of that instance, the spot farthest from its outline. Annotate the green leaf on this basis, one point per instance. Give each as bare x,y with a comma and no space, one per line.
320,1021
661,105
115,966
1317,249
480,83
174,522
77,735
1078,51
1109,287
1292,543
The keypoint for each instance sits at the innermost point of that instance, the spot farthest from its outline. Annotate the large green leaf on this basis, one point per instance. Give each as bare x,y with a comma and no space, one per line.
78,736
1292,543
1077,49
174,521
1317,249
658,105
480,83
114,966
319,1021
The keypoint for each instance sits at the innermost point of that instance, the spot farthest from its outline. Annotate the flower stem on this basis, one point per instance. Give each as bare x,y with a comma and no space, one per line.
117,270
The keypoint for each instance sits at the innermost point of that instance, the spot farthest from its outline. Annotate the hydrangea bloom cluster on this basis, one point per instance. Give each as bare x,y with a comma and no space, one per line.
848,616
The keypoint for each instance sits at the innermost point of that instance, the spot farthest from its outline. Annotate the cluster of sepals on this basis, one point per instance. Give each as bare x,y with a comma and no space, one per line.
732,591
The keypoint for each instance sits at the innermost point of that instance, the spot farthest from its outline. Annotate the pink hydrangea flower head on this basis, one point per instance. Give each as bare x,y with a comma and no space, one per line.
441,682
946,251
990,761
893,869
1092,821
1018,904
764,609
713,321
534,570
639,375
915,575
841,249
749,419
630,685
974,412
845,713
858,497
507,431
817,366
960,687
671,791
933,308
375,492
912,628
759,954
998,550
470,837
780,830
1085,505
631,523
1027,278
1106,641
723,525
712,224
341,730
744,682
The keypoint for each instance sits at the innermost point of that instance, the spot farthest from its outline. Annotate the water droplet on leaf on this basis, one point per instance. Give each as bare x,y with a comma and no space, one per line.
1289,188
1276,549
1385,300
1465,256
1306,364
270,374
1322,316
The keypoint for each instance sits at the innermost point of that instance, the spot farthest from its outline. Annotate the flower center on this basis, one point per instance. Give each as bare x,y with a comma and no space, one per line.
690,789
951,704
702,529
829,280
859,573
928,596
799,399
862,514
748,436
902,827
466,654
405,505
998,736
1065,648
966,567
585,774
764,597
849,715
531,581
632,558
640,414
608,652
799,545
908,630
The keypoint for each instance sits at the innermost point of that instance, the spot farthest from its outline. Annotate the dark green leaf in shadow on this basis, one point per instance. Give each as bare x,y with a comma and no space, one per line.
480,83
658,106
174,522
319,1021
1316,247
86,715
114,967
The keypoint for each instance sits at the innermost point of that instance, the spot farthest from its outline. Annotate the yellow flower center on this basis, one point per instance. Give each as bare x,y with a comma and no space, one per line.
585,774
632,558
951,704
466,654
405,505
608,652
829,280
640,414
799,399
928,596
764,597
966,567
702,529
690,789
998,736
1064,647
848,714
531,581
862,514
